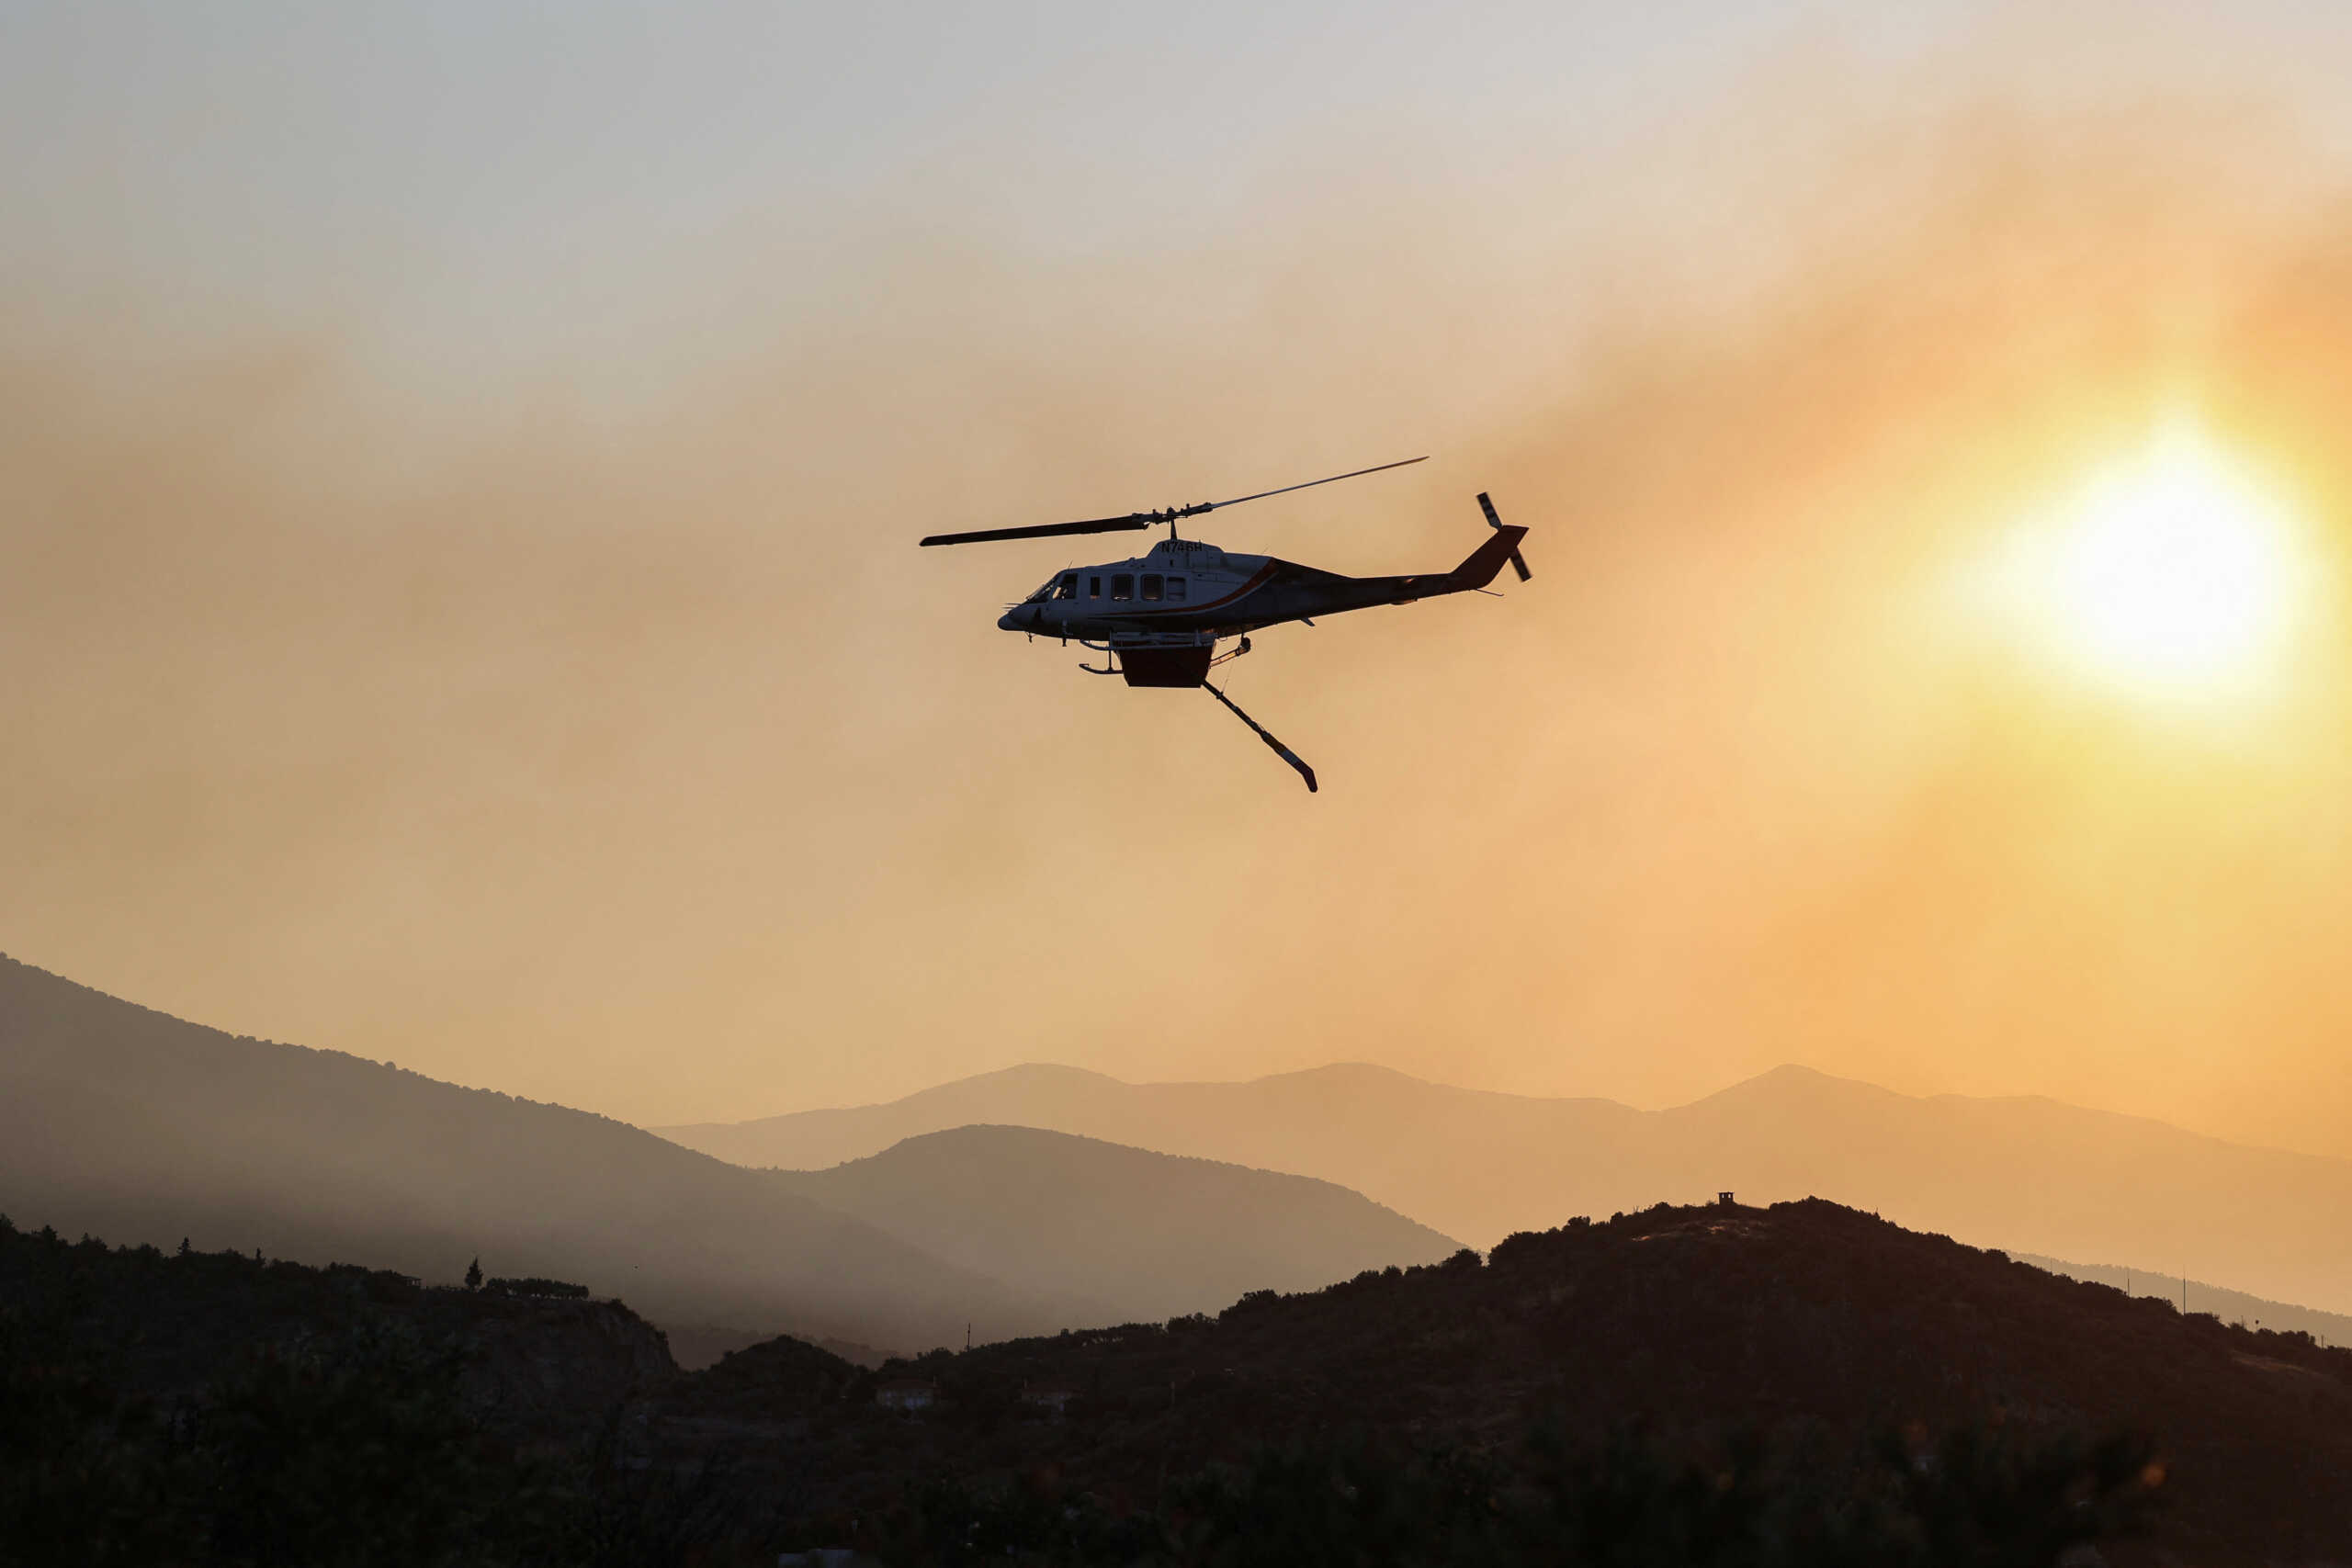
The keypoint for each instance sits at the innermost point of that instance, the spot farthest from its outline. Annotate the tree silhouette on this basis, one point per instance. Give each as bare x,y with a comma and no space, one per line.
473,1275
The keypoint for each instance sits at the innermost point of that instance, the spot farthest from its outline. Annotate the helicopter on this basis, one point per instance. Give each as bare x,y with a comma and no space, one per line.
1156,618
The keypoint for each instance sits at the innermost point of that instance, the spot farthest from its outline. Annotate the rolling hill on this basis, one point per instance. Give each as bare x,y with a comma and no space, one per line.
125,1123
121,1121
2029,1174
1782,1354
1150,1235
1717,1384
2234,1307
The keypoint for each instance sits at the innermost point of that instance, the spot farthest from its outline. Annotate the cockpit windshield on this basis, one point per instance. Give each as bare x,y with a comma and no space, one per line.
1062,587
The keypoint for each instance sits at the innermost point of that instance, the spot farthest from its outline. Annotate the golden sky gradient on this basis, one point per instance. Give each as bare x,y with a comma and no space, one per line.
588,726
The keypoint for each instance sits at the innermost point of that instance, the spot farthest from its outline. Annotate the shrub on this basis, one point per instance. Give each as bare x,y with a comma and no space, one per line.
535,1286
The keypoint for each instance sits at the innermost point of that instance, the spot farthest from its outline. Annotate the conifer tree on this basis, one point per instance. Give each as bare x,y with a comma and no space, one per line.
473,1275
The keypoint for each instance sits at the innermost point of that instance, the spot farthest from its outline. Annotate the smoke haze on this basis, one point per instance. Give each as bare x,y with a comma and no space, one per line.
600,736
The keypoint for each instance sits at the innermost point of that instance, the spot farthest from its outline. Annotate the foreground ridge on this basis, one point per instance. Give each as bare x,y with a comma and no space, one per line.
1802,1383
1803,1324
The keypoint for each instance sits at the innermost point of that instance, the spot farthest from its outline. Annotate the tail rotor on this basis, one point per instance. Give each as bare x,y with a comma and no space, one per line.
1494,520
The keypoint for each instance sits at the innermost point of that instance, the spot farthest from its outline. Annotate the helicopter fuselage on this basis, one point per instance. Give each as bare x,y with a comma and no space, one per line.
1164,612
1160,615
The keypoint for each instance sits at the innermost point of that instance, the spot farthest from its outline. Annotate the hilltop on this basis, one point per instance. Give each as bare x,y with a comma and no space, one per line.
1149,1236
1801,1323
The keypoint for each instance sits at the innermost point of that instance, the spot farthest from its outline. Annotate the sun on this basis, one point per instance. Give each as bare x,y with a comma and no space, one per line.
2171,574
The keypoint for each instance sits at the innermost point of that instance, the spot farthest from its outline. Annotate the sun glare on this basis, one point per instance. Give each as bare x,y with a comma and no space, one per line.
2170,575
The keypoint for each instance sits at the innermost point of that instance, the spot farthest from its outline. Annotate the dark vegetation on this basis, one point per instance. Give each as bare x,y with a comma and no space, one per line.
199,1408
1802,1384
535,1286
1838,1384
1975,1498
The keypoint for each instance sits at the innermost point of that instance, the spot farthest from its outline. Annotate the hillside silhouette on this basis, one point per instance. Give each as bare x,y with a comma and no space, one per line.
2216,1300
1781,1347
1149,1236
1719,1385
169,1322
2029,1173
124,1122
220,1408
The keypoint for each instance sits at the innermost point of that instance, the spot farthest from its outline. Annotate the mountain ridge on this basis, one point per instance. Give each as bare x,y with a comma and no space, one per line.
121,1121
2027,1172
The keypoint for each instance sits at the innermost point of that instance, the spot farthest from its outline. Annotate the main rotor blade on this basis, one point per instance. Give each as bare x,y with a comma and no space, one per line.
1335,478
1134,520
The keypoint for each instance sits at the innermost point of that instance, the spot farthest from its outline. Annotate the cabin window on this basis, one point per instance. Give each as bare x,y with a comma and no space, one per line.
1176,589
1094,588
1123,586
1068,587
1151,585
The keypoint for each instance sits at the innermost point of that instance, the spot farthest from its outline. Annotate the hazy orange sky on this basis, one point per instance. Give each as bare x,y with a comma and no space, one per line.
458,487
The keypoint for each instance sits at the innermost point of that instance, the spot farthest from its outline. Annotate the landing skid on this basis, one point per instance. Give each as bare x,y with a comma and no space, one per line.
1111,667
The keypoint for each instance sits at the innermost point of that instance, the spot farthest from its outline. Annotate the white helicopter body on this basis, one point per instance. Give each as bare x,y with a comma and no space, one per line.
1160,615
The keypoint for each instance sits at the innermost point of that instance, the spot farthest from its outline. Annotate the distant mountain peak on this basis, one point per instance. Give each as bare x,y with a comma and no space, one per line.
1789,1080
1047,1070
